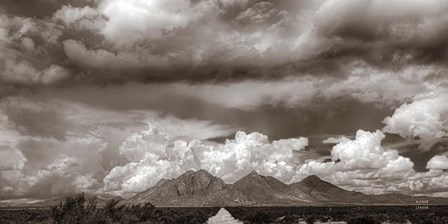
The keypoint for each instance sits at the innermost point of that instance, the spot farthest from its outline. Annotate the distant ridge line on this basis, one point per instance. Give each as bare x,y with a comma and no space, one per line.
202,189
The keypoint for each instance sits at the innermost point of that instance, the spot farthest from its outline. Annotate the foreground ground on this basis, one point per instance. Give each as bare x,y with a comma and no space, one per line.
78,210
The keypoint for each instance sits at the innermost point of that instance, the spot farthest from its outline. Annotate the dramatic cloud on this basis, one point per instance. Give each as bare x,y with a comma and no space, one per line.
353,162
39,8
133,20
27,56
110,152
11,159
86,18
439,162
424,118
361,164
154,155
439,182
223,40
366,152
54,147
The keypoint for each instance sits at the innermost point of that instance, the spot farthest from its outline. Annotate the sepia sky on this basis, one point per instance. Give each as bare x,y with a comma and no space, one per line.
110,96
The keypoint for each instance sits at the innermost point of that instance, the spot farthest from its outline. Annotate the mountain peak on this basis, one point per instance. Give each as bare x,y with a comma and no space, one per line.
203,172
196,179
315,182
252,176
255,179
254,173
312,178
200,172
189,173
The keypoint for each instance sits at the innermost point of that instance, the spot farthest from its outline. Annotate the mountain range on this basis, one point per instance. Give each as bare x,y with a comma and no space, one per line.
201,189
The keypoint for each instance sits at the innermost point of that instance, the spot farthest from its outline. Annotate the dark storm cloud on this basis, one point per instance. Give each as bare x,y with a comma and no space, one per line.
38,8
111,41
36,121
387,32
342,115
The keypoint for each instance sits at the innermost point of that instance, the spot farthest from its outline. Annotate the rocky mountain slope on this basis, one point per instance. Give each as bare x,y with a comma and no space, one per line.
190,189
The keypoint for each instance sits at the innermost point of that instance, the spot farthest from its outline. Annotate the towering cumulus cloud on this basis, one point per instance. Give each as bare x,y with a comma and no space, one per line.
439,162
424,118
362,159
111,96
154,155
